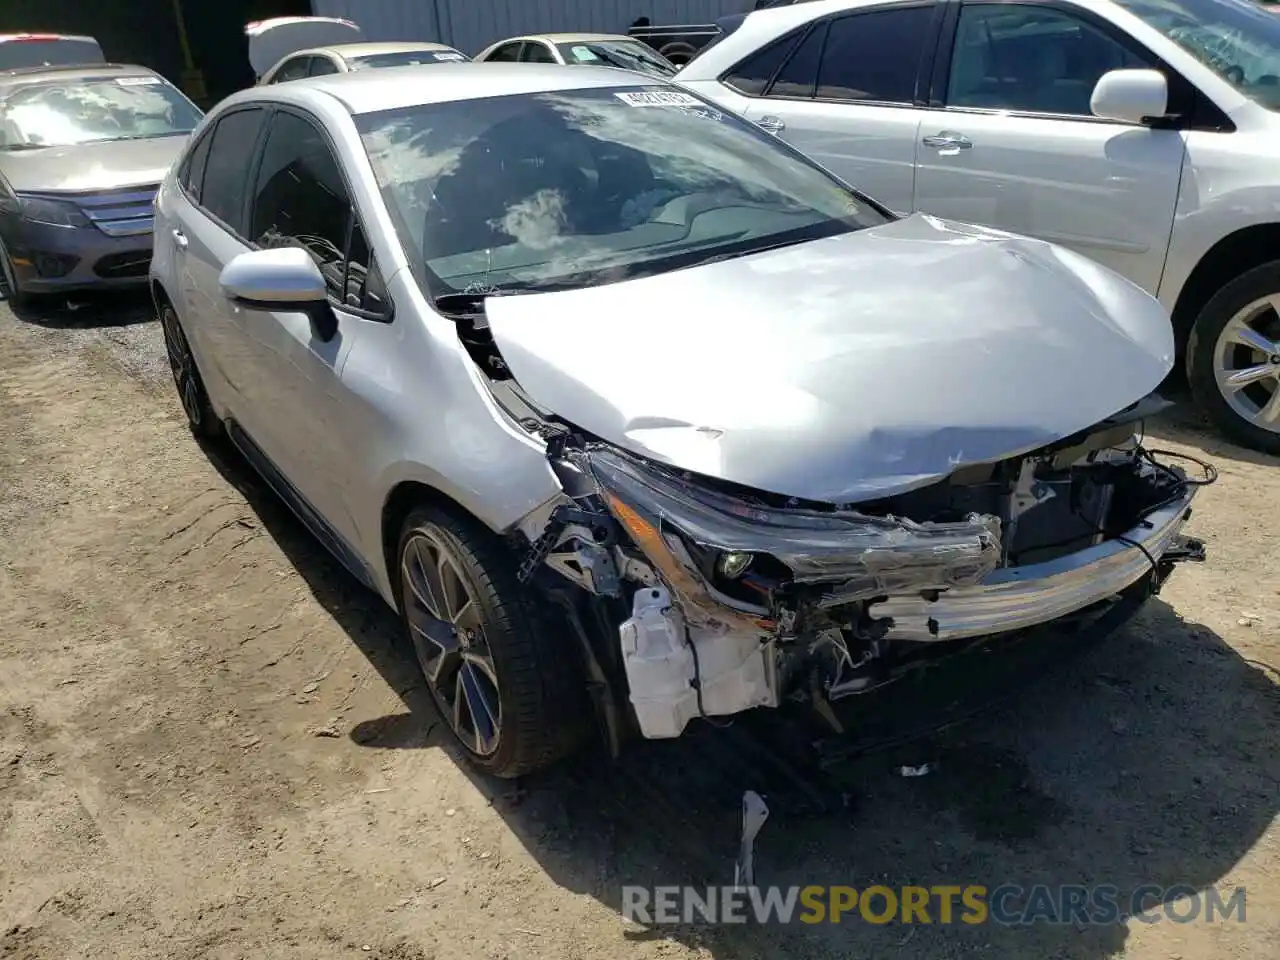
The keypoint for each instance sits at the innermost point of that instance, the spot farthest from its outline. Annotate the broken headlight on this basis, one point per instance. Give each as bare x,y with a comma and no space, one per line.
671,518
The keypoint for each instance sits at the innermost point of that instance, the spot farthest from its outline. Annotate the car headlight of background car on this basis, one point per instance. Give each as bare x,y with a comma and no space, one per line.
58,213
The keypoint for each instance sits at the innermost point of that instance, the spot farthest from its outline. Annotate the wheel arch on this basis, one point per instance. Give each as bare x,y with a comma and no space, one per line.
1233,255
402,499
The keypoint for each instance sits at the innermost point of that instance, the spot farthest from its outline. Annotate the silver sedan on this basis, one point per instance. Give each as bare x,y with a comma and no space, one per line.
639,417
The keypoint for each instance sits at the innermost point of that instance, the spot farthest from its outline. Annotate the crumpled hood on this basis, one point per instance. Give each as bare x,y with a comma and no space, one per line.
847,368
91,166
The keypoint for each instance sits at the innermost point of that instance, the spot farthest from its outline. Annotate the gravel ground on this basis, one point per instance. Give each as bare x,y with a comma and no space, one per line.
212,743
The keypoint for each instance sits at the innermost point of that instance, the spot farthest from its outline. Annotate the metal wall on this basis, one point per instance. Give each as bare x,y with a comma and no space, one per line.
471,25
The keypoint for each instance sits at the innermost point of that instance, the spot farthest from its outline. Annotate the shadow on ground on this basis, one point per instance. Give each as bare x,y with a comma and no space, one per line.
86,310
1146,759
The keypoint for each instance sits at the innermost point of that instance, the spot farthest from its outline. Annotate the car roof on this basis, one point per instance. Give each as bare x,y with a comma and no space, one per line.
369,48
577,37
24,76
370,91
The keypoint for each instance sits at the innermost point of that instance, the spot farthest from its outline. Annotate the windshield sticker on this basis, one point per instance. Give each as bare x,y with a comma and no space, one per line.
449,56
658,98
138,81
584,54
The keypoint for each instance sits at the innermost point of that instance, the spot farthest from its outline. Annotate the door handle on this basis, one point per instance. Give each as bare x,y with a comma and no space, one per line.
945,139
180,238
771,124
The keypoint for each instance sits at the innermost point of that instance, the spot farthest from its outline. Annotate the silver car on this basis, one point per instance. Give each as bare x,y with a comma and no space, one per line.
82,150
623,403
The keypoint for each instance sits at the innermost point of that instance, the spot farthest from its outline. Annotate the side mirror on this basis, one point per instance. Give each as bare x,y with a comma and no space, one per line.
1130,96
284,279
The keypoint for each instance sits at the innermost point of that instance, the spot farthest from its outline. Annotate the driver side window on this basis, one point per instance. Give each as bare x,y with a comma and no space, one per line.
301,200
1030,59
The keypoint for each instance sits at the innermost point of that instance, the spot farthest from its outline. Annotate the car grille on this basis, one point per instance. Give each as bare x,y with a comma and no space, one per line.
118,266
121,213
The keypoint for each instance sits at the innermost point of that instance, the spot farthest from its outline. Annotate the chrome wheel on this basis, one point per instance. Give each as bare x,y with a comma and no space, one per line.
183,366
1246,363
447,627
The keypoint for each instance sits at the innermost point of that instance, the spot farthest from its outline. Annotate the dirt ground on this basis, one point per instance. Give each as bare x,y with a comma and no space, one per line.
212,743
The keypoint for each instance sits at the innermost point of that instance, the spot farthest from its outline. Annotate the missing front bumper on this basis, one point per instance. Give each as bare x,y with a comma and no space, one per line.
1015,598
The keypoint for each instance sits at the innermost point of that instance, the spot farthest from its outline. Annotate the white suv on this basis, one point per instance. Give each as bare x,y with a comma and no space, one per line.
1142,133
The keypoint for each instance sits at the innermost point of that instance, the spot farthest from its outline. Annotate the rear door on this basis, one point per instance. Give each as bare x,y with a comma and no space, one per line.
1011,142
209,234
848,91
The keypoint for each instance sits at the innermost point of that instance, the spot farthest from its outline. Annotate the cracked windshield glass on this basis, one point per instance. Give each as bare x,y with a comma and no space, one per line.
116,108
567,189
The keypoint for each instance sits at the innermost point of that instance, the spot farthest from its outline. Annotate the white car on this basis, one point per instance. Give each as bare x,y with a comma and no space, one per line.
1141,133
571,49
291,48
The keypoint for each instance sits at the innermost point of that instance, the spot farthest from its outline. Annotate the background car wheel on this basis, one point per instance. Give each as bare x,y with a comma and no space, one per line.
508,685
195,402
678,53
1233,359
13,296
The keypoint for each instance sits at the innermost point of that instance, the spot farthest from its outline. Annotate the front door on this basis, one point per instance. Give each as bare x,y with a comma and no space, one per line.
846,94
301,198
1017,147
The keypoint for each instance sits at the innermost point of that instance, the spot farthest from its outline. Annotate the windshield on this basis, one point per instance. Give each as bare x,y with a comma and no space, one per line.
405,58
618,53
81,111
575,187
1237,38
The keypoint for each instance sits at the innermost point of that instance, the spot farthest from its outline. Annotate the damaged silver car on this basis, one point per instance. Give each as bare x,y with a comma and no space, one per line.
635,414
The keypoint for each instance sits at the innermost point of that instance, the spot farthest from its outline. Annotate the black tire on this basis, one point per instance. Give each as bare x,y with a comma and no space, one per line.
13,294
535,668
679,52
1235,296
202,420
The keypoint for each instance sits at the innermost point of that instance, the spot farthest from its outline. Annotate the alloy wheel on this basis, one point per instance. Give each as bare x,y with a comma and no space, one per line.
182,364
447,627
1246,363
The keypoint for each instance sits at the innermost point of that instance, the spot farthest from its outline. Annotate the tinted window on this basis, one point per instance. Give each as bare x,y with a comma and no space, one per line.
294,69
800,75
753,74
875,56
1010,57
301,199
321,66
577,187
363,281
536,53
507,53
193,170
225,172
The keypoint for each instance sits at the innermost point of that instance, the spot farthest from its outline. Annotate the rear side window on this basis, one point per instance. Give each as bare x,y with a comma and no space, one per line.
322,67
192,175
800,75
507,53
230,152
753,74
294,69
875,56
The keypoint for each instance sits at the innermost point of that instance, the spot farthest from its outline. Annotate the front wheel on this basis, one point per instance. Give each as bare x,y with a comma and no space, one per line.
507,684
195,402
1233,359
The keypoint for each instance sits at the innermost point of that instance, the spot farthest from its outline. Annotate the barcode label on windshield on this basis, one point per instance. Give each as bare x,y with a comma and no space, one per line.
450,56
657,98
138,81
